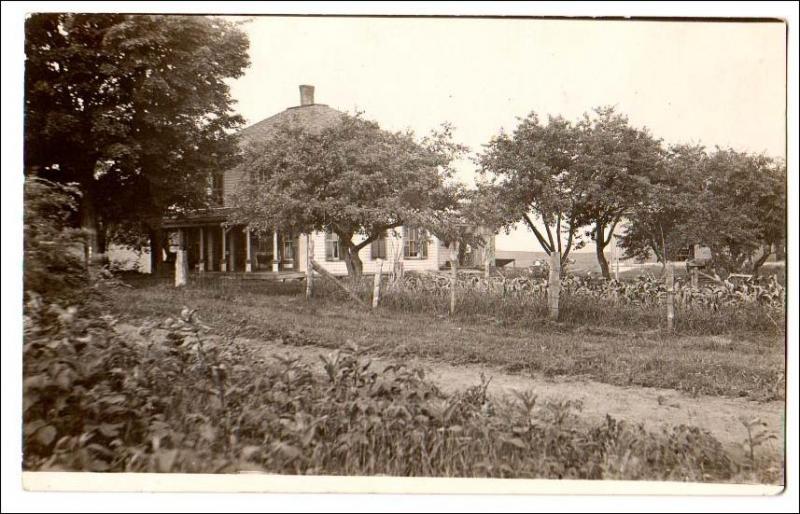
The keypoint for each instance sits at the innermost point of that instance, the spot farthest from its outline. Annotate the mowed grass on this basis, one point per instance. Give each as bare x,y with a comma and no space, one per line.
747,365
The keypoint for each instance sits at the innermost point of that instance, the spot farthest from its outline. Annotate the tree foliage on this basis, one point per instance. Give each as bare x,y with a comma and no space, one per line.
616,161
656,222
732,202
534,175
133,108
351,178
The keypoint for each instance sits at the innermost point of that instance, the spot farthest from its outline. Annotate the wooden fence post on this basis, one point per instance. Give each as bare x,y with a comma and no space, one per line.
309,269
454,273
327,274
695,277
376,287
489,256
181,264
554,284
670,283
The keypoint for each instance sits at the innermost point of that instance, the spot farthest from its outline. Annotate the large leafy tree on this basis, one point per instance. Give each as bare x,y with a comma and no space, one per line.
732,202
616,160
656,222
133,108
535,177
349,177
742,209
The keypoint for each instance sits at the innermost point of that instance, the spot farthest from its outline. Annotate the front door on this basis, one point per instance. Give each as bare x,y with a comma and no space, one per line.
288,247
263,252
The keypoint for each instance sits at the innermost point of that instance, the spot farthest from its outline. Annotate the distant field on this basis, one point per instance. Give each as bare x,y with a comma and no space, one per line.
587,262
584,261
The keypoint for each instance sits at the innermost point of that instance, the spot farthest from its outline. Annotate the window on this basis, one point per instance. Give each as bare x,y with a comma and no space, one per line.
415,243
288,243
378,247
216,188
332,246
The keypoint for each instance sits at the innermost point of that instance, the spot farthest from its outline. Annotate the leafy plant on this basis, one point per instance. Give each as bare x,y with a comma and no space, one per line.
757,435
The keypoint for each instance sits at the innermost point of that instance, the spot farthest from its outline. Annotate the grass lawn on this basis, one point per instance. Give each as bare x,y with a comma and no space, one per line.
749,365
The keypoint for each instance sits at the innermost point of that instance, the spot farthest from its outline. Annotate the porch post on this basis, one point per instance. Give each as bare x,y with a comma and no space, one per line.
223,263
202,249
233,251
181,265
276,257
211,243
248,264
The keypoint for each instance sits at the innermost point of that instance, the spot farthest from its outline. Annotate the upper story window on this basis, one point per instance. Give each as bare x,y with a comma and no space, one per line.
333,248
217,188
415,243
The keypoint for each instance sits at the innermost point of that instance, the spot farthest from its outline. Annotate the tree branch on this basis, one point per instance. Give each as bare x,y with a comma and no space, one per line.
569,240
549,234
542,242
376,235
611,232
558,232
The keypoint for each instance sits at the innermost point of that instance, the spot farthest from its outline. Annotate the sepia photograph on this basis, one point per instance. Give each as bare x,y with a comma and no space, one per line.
399,253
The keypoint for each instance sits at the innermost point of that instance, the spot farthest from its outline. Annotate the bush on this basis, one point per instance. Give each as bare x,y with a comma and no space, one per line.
53,265
185,403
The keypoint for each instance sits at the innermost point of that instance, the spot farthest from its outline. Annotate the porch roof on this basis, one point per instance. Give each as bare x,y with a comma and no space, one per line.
210,216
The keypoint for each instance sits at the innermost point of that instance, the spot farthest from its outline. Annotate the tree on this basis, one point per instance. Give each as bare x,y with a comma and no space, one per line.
743,209
732,202
657,222
350,177
132,108
534,175
616,161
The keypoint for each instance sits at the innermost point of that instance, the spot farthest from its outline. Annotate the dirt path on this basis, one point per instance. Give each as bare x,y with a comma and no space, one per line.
651,406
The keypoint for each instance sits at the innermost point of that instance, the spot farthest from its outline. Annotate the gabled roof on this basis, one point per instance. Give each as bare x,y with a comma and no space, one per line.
312,117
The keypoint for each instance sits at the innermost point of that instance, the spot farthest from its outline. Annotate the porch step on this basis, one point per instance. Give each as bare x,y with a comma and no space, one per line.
258,275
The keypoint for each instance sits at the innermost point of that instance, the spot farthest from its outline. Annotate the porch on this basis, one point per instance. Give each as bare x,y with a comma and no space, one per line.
213,246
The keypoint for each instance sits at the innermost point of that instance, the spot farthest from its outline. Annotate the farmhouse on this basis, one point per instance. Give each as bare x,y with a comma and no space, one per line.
214,245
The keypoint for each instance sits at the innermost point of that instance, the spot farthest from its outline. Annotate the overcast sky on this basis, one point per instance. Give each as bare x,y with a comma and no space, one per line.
710,83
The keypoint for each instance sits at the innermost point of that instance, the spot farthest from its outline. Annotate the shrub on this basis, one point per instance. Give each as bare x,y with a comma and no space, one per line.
53,265
180,401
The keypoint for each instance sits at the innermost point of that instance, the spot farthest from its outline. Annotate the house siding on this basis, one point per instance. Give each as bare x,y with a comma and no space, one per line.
394,250
230,182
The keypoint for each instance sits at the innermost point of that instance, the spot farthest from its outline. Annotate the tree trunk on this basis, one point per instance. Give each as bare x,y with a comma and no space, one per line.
599,249
102,243
89,225
156,249
766,252
352,261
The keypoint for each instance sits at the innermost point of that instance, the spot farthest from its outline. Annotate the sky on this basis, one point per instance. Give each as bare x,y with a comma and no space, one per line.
689,82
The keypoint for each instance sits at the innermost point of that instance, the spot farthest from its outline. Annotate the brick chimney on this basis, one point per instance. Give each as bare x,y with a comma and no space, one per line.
306,95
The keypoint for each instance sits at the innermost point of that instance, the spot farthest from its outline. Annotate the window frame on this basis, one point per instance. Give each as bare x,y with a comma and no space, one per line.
378,249
419,241
216,189
333,247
